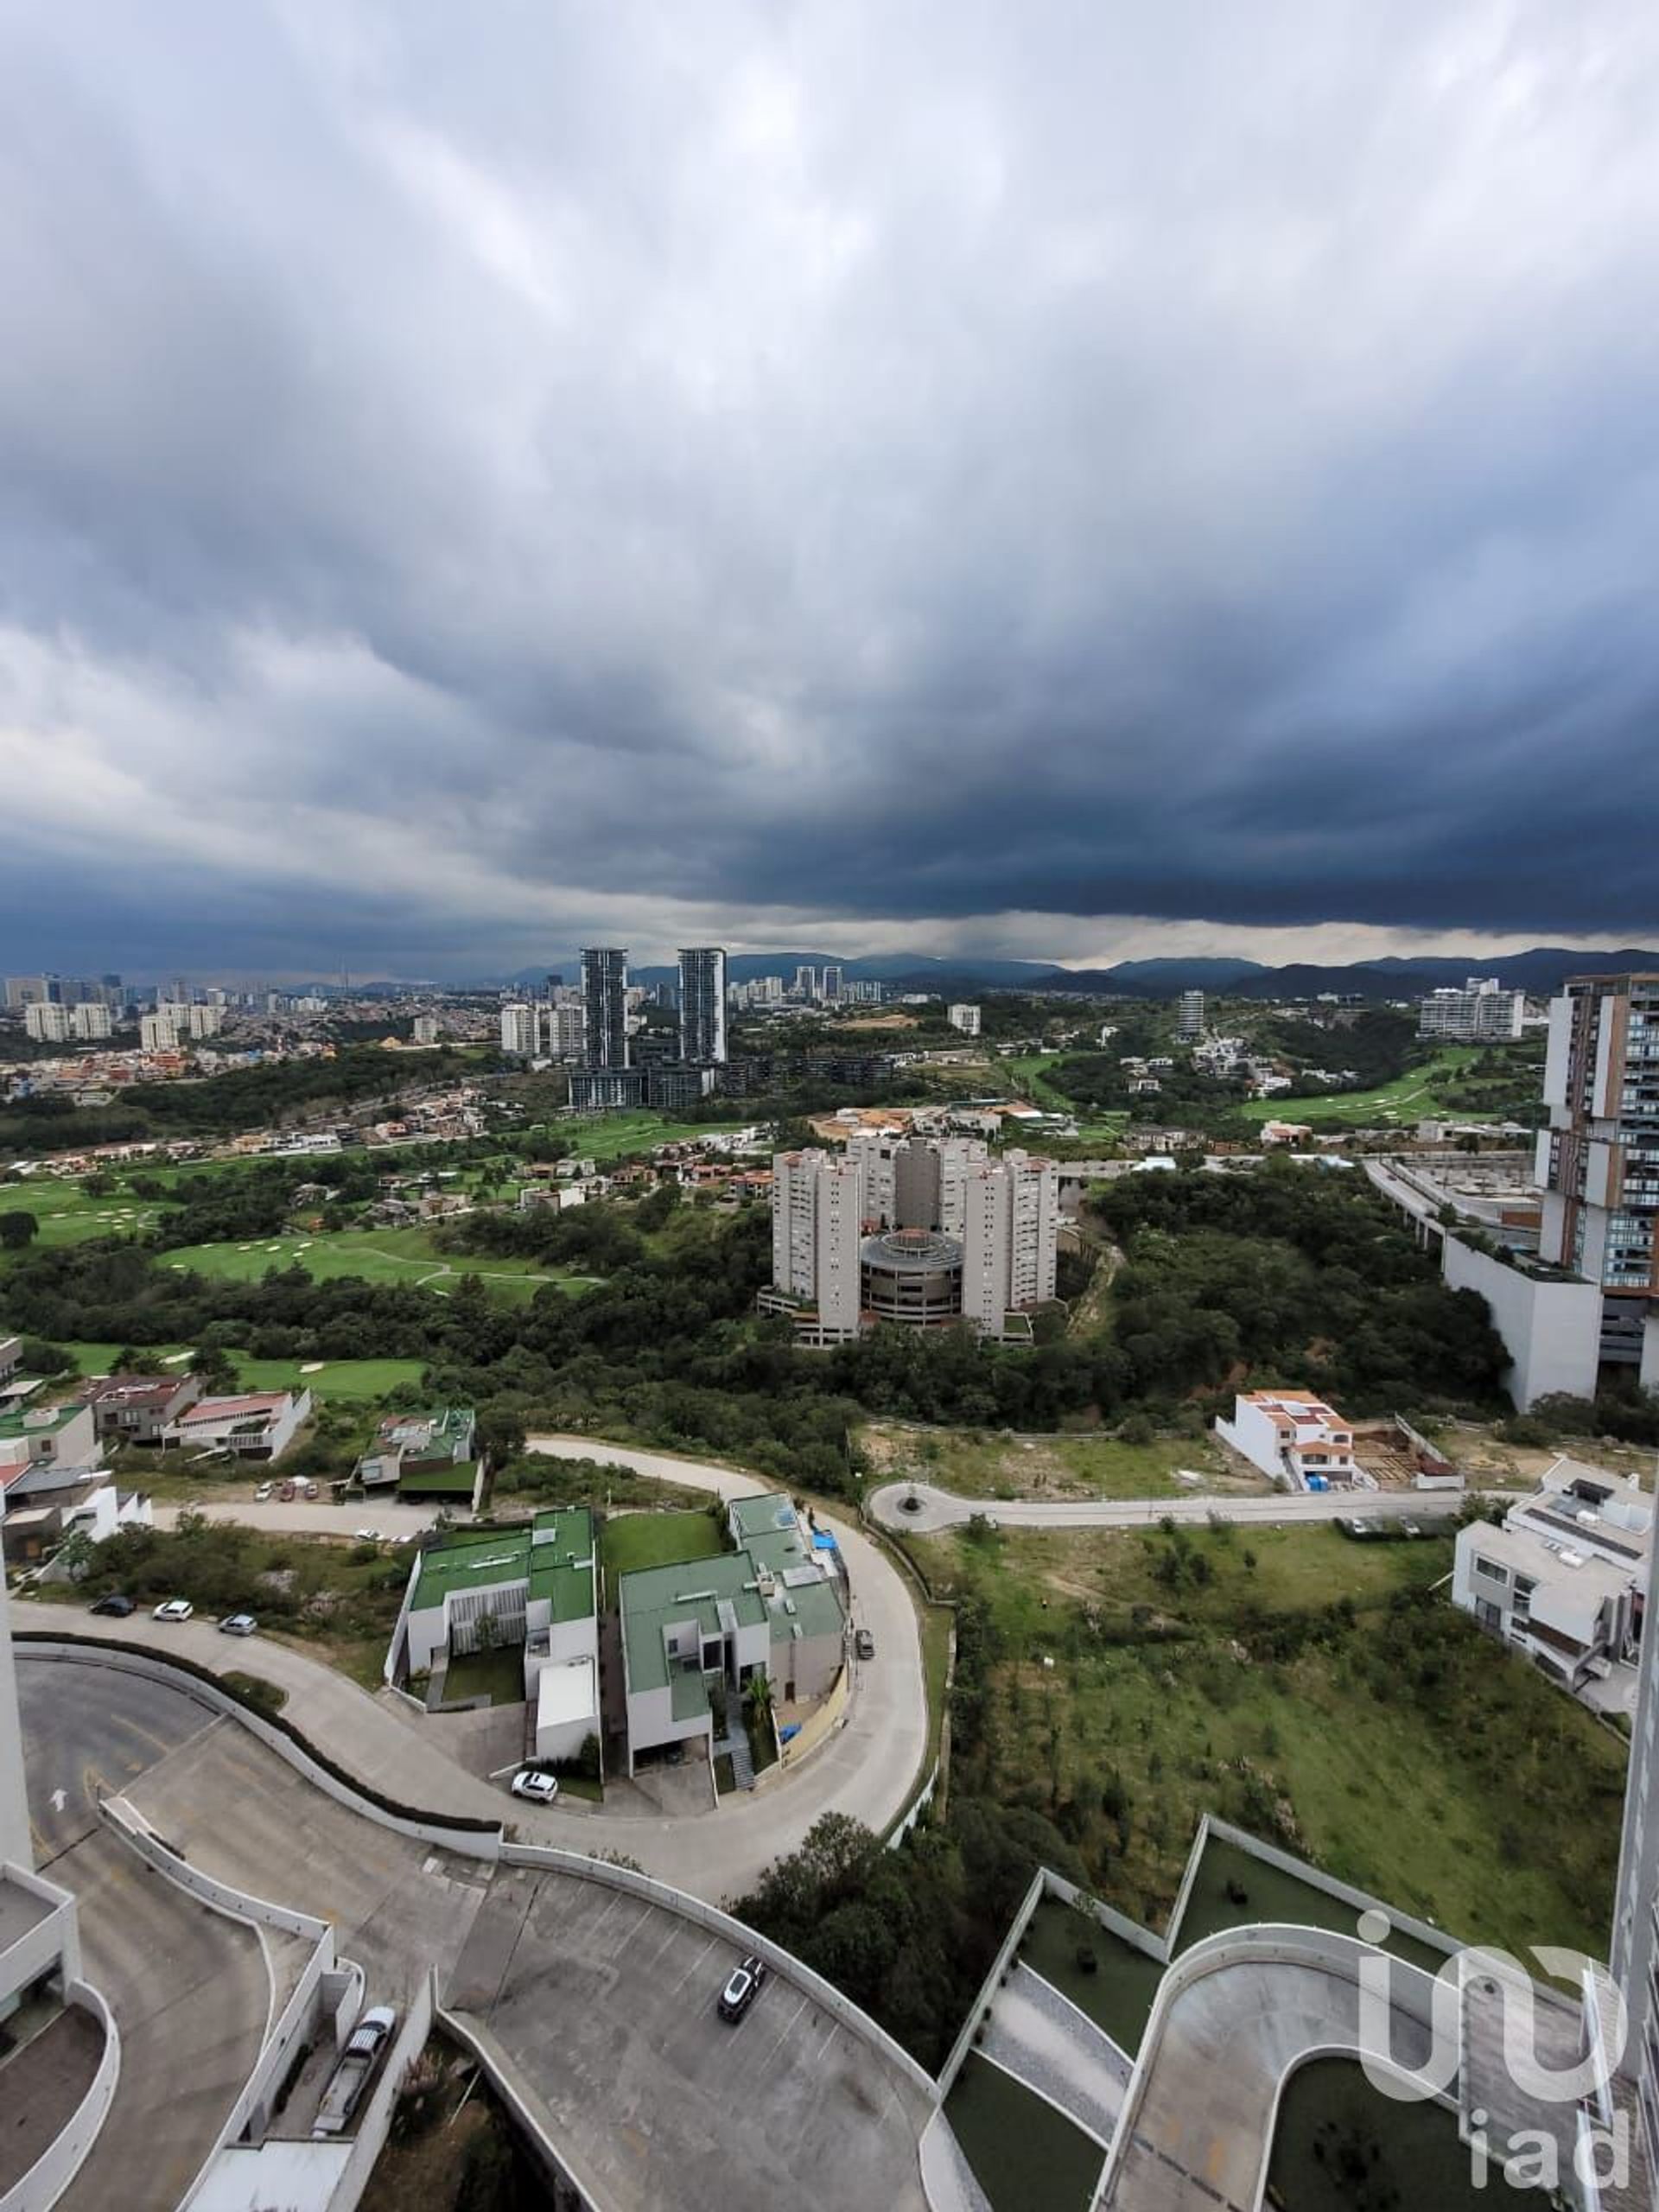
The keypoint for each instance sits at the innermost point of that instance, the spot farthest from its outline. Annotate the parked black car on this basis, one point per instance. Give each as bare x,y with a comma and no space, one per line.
115,1604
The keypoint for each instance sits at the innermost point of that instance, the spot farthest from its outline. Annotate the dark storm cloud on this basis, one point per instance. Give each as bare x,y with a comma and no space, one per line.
474,476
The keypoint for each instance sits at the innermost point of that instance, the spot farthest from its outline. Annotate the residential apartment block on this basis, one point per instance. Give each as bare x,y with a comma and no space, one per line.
520,1030
965,1018
1482,1012
702,1005
1598,1162
604,1005
1189,1016
918,1230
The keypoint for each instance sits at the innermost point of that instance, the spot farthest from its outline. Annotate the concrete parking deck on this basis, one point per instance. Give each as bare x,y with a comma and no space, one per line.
607,2004
189,1989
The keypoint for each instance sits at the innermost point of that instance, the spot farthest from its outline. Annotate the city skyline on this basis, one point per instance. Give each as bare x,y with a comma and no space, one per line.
1073,513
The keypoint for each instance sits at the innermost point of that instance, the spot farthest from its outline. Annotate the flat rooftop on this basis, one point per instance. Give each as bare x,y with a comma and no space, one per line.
552,1555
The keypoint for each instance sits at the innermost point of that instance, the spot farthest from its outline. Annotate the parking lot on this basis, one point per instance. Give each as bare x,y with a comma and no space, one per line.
607,2005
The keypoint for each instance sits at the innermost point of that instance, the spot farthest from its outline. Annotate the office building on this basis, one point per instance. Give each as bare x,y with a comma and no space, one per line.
519,1029
604,1005
806,982
965,1018
830,986
45,1021
1482,1012
913,1230
1189,1017
1598,1162
702,1005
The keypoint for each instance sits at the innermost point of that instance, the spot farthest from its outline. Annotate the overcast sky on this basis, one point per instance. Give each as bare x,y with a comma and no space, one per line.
1065,480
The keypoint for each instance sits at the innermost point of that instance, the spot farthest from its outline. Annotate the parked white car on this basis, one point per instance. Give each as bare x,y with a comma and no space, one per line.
174,1609
530,1782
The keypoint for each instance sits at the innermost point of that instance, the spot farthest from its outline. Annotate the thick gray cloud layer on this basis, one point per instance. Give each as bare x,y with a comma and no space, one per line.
476,475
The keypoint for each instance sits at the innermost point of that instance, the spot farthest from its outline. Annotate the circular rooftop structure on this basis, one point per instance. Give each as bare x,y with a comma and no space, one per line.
913,1276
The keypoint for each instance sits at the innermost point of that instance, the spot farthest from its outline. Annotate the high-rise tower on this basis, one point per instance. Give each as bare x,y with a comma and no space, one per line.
702,1005
604,1005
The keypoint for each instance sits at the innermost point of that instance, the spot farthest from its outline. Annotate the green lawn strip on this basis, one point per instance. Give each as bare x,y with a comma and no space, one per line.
497,1674
369,1380
1339,2143
618,1136
1024,2152
1116,1993
632,1541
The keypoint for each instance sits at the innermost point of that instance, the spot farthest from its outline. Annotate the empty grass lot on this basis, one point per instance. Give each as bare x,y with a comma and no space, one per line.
1293,1684
993,1464
67,1215
618,1136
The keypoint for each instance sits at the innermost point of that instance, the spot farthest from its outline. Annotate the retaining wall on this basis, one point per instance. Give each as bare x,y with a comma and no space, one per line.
507,2082
979,2010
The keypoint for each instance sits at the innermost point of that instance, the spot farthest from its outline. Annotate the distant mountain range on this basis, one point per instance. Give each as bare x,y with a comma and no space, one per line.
1540,972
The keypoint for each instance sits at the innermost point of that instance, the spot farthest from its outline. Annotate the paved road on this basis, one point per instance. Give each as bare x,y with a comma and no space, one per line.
189,1989
868,1768
942,1509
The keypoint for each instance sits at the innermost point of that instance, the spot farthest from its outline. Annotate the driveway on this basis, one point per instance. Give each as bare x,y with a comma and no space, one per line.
942,1509
300,1519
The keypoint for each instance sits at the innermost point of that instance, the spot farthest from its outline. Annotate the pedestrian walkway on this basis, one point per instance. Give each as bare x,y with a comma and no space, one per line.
735,1744
1041,2038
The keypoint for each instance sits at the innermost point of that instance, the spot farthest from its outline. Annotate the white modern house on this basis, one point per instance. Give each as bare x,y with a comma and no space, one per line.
535,1587
259,1425
1294,1438
1563,1580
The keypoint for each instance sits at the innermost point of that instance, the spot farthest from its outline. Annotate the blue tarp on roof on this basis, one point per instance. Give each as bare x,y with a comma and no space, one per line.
822,1541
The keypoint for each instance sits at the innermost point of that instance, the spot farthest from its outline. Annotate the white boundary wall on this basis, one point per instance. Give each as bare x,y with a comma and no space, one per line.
57,2166
468,1843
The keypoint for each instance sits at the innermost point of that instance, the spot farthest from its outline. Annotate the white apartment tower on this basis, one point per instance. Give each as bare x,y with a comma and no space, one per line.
1189,1017
965,1018
518,1028
90,1021
1482,1012
1010,1236
702,1005
912,1230
47,1023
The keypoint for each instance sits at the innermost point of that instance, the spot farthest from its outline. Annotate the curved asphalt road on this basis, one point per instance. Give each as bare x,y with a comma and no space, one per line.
943,1509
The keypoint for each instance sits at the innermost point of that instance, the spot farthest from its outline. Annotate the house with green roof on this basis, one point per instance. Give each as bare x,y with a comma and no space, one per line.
534,1585
431,1454
772,1606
